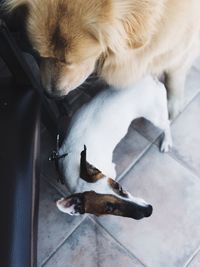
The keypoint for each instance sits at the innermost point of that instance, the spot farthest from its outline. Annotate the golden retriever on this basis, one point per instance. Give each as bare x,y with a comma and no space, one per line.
121,39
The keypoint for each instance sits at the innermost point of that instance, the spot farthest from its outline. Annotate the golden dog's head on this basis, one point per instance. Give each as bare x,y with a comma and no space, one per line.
71,35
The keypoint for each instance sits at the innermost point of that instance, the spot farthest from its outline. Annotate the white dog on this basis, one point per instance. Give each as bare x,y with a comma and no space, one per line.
101,124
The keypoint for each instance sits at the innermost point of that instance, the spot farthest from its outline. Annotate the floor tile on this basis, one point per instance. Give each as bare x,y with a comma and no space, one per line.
197,63
192,86
147,129
131,147
90,246
127,152
170,236
186,136
195,262
54,226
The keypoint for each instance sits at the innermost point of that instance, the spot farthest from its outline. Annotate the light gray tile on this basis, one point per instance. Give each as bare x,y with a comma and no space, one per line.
186,136
195,262
131,147
192,86
53,226
197,63
90,246
172,233
147,129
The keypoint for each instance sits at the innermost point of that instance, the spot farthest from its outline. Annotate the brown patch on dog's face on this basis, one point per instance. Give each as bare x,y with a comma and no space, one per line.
117,188
102,204
110,199
88,172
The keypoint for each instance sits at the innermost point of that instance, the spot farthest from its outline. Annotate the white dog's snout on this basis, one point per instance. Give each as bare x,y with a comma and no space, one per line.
59,204
139,201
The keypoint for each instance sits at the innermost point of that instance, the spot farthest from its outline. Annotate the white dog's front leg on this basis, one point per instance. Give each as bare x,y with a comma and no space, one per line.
160,118
166,143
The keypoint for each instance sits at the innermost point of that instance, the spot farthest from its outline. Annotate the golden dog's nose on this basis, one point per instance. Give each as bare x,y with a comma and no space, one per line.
53,96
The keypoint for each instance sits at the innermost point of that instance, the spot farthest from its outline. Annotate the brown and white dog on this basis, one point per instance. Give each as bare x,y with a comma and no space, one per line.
122,39
100,125
114,201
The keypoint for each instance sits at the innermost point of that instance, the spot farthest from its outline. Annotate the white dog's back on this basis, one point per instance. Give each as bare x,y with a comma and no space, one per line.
103,122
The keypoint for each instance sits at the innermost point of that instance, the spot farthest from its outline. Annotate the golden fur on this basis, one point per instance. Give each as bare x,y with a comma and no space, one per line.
129,37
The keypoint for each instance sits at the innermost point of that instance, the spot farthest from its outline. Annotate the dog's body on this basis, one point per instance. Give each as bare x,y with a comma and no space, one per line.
103,122
127,38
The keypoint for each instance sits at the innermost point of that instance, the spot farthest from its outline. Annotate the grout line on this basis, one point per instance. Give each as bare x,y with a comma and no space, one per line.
192,257
143,134
172,122
196,68
62,242
187,105
57,188
117,241
134,163
124,173
183,164
172,155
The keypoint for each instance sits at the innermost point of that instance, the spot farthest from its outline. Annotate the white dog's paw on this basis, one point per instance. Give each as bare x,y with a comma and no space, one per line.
166,145
73,205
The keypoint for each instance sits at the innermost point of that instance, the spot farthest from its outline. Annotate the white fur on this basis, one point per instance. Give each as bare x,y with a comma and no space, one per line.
101,124
102,187
69,210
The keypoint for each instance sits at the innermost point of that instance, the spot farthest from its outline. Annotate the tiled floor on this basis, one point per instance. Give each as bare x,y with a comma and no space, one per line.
170,182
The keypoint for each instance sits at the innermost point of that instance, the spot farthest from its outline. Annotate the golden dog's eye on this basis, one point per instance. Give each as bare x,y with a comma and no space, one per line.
62,61
68,63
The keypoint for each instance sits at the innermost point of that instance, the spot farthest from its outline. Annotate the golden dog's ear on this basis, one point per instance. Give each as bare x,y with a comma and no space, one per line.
109,36
17,6
137,33
128,23
11,5
139,19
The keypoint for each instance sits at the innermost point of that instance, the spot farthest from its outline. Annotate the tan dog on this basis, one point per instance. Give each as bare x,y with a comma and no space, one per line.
123,39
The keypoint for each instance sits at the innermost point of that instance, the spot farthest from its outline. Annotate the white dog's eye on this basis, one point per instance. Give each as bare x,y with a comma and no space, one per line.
110,207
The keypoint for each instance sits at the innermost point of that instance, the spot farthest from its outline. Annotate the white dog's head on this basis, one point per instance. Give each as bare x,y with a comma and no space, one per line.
107,196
